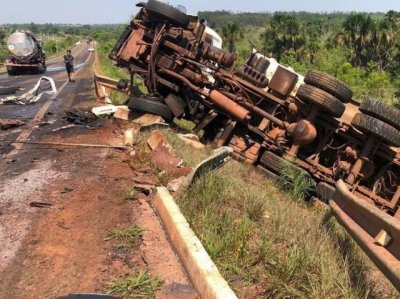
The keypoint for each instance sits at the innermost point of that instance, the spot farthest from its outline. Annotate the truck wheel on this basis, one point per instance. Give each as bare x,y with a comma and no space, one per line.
325,191
8,90
382,111
152,107
378,128
329,84
169,12
322,99
277,164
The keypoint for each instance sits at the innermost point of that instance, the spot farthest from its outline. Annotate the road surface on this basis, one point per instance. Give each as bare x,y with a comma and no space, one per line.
60,248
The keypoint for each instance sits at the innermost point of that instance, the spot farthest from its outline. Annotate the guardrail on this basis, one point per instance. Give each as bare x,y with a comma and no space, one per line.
377,233
103,85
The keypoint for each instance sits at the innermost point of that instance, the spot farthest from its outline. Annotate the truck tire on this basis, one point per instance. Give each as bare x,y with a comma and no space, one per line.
376,127
329,84
152,107
322,99
168,12
40,69
382,111
276,164
325,191
12,72
5,90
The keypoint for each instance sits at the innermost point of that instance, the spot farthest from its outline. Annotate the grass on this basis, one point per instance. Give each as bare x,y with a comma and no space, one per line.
126,237
140,285
129,194
261,237
295,181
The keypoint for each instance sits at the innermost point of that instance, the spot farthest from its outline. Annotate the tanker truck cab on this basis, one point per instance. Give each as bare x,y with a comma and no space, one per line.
26,54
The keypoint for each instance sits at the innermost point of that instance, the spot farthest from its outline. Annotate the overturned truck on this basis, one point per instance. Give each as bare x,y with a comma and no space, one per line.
269,114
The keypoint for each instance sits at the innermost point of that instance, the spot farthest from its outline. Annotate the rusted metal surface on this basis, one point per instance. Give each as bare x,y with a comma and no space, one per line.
376,233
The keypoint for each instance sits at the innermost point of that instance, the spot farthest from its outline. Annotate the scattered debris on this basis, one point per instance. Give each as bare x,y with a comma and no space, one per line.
163,157
192,140
32,96
4,90
150,120
157,139
129,139
104,110
121,147
83,117
6,124
36,204
175,185
63,128
123,113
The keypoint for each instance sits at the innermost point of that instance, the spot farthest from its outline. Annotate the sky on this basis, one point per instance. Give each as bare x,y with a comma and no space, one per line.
120,11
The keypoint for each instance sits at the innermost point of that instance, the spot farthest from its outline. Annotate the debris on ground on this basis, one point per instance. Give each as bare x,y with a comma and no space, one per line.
192,140
6,124
123,113
149,120
36,204
129,136
104,110
83,117
63,128
5,90
33,95
163,158
175,184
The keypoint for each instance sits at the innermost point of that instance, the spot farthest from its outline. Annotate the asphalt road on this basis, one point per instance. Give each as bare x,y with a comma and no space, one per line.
56,70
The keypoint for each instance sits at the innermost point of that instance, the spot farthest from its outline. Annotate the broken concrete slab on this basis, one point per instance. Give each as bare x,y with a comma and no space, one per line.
6,124
175,185
163,158
149,119
123,113
192,140
156,139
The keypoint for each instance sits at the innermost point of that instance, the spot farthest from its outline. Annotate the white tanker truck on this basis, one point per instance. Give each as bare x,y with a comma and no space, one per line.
27,54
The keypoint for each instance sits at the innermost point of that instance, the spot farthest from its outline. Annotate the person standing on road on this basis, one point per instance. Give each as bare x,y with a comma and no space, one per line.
69,61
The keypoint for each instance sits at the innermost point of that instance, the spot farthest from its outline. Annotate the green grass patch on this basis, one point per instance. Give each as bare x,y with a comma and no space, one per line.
126,237
140,285
129,194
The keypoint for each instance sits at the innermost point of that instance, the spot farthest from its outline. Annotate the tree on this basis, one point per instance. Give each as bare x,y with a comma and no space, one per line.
283,34
231,33
2,36
357,35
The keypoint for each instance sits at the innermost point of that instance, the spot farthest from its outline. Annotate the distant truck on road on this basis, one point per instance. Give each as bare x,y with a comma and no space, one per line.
27,55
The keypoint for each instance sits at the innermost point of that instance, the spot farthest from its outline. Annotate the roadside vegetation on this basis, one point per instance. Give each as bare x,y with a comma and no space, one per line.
140,285
361,49
126,238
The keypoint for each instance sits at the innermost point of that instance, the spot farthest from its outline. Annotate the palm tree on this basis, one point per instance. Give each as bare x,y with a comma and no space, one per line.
231,33
357,35
282,35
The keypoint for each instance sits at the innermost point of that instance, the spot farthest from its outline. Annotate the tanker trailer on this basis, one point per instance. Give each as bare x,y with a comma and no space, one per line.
27,54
